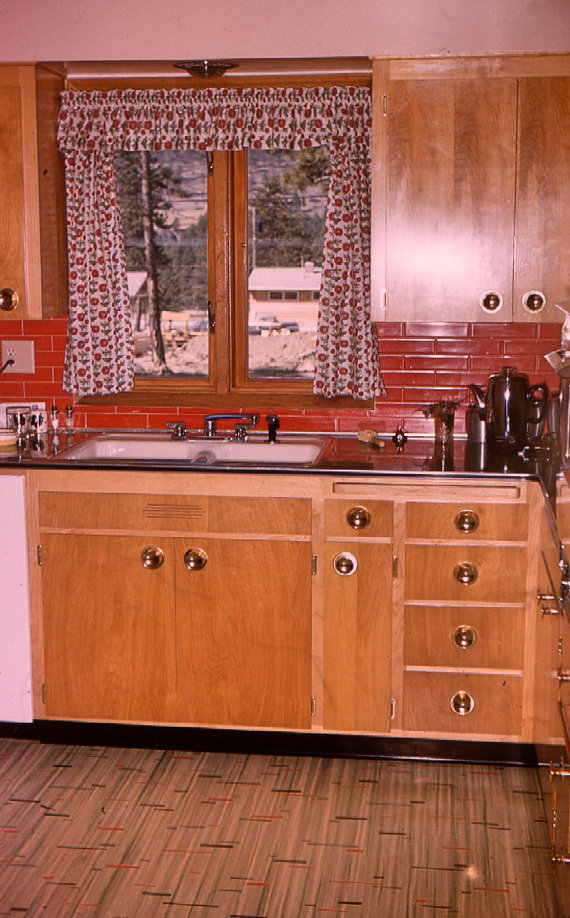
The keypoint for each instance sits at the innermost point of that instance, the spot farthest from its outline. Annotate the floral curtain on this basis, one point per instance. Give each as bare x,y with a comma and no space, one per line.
92,125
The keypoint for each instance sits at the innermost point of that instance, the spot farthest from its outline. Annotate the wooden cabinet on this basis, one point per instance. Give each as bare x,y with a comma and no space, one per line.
177,608
542,256
465,614
243,649
358,571
19,194
475,198
379,606
32,231
110,629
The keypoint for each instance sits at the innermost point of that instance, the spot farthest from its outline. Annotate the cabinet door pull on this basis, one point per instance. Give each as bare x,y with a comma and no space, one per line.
465,573
464,636
467,521
358,517
9,299
345,564
462,703
195,559
152,558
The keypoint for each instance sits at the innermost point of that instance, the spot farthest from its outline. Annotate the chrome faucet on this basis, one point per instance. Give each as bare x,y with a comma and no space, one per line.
247,421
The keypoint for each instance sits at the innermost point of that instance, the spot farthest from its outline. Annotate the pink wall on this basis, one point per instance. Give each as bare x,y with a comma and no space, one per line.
421,363
180,30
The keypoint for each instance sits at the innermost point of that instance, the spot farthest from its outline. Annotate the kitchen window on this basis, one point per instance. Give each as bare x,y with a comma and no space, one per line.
232,131
169,228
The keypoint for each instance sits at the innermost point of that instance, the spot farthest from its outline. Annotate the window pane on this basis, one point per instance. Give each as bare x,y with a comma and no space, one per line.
287,195
164,210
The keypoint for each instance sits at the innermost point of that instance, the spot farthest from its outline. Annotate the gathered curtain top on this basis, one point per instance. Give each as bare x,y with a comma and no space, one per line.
215,119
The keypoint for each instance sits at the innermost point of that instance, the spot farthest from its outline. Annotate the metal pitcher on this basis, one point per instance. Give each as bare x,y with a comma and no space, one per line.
509,405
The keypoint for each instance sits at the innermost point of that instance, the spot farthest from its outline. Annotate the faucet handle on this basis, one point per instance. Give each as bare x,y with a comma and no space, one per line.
178,429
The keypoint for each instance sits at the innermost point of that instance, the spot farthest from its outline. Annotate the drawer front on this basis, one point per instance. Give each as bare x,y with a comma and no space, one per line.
491,638
432,702
177,513
467,520
367,518
476,573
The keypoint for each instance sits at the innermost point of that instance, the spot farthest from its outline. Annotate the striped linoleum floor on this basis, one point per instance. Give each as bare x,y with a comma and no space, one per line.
130,833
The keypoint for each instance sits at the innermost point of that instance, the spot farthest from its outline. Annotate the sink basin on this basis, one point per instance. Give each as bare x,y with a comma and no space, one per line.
199,451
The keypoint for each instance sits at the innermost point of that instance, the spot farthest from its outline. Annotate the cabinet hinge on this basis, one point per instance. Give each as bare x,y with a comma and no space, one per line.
392,708
210,163
385,105
313,706
40,555
395,566
44,693
314,565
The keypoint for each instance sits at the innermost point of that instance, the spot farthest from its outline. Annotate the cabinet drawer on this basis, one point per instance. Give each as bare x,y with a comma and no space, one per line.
464,637
496,703
176,513
369,518
467,520
433,573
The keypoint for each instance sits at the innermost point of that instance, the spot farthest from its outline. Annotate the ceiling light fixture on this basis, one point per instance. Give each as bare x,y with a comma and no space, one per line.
206,69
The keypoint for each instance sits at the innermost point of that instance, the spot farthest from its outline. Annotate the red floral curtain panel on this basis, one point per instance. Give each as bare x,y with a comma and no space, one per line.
92,125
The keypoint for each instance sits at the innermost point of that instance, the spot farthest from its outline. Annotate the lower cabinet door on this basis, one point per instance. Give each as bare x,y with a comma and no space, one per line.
357,637
109,637
244,632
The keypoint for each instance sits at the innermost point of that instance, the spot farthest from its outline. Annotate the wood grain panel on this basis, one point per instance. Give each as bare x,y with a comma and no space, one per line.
451,158
357,640
497,710
12,249
429,630
381,518
63,510
109,629
244,634
497,522
429,574
542,254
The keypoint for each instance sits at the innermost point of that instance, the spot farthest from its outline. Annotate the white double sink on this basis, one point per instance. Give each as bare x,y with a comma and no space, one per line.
206,451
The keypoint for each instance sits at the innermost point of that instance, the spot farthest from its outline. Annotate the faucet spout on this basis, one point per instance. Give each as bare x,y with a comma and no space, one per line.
247,421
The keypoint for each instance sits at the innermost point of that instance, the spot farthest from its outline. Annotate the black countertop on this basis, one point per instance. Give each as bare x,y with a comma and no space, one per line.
343,455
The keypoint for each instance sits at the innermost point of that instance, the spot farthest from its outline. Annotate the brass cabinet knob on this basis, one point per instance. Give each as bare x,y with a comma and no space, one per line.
534,301
491,301
462,703
467,521
345,564
464,636
9,299
195,559
358,517
465,573
152,558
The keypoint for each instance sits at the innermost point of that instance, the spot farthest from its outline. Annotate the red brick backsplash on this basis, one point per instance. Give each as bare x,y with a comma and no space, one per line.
421,362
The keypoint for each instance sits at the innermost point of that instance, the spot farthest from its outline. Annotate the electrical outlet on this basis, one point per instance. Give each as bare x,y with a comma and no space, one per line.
21,353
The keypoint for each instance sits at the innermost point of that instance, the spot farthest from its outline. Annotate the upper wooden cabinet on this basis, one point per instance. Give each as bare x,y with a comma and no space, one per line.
32,230
471,188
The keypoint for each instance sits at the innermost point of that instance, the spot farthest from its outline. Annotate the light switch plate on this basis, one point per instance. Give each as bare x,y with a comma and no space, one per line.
22,353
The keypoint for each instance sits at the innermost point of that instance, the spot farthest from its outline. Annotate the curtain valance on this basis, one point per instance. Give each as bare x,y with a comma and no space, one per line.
92,125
